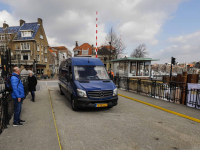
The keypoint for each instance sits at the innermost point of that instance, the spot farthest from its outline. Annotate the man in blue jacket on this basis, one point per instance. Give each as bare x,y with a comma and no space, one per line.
17,95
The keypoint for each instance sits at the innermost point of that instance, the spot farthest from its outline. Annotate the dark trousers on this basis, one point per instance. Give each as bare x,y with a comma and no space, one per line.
17,112
33,95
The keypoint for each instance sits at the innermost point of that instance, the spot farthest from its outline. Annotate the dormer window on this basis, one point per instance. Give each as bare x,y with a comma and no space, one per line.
26,33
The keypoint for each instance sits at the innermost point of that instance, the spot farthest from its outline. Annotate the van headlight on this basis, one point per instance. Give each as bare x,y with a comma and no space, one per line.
115,92
81,93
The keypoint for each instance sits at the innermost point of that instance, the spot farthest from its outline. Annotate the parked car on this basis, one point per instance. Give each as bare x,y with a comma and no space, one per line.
85,82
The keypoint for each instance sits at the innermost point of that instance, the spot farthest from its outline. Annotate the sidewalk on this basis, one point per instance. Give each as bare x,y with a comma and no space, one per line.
183,109
38,133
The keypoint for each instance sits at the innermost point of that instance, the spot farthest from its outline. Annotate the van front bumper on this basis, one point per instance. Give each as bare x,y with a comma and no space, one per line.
86,102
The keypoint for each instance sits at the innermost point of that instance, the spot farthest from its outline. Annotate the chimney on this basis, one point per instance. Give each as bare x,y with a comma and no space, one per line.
21,22
5,25
76,43
40,21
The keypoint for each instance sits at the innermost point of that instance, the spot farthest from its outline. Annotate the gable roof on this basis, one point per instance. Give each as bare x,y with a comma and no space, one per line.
10,29
83,46
60,48
26,26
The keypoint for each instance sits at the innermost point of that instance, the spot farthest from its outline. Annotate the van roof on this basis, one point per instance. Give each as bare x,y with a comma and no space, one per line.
86,61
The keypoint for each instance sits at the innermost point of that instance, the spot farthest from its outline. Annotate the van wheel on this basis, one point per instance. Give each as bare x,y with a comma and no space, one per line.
74,105
61,92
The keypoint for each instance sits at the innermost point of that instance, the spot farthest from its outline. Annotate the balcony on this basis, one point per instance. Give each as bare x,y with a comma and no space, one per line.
24,51
22,62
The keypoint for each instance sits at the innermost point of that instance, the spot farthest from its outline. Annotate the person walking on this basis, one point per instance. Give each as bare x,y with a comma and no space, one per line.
17,94
32,82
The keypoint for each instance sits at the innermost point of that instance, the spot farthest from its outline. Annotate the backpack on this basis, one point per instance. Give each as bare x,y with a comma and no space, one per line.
8,83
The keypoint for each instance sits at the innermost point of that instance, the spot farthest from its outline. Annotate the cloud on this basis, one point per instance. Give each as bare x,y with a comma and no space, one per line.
184,39
185,47
6,16
138,21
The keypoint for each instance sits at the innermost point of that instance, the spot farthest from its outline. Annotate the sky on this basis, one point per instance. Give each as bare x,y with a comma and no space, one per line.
169,28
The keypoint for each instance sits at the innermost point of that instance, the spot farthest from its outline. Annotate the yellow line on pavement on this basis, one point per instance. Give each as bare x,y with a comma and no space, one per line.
54,120
164,109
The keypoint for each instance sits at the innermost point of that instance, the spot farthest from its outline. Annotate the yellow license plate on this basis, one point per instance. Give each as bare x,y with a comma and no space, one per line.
102,105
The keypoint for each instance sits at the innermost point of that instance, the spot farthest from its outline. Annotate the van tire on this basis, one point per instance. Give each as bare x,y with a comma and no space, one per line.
74,104
61,92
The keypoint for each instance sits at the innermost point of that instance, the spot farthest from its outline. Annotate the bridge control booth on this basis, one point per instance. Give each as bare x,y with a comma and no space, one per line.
132,67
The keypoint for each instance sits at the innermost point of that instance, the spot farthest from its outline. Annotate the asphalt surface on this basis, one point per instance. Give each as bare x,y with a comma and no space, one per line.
128,126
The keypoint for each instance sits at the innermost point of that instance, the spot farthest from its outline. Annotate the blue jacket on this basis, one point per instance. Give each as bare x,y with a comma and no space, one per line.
18,88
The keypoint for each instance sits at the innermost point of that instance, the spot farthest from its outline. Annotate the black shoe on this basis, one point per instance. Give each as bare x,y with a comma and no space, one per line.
31,100
22,121
17,124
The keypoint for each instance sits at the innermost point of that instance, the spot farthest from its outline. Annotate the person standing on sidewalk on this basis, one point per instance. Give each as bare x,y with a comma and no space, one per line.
32,82
17,94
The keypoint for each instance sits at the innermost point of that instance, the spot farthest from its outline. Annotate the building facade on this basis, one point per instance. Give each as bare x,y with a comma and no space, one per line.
29,46
87,50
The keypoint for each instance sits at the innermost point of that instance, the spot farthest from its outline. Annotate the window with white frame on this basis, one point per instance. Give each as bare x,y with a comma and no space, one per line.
38,57
2,37
25,46
26,33
45,50
41,48
38,48
45,59
42,58
84,52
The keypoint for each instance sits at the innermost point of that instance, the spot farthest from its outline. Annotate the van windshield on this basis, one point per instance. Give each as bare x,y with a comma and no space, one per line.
90,73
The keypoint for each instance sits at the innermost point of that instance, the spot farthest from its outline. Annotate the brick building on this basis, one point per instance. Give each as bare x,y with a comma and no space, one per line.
28,42
87,50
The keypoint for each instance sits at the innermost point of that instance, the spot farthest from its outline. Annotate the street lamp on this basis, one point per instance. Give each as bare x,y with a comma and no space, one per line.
34,66
4,60
18,52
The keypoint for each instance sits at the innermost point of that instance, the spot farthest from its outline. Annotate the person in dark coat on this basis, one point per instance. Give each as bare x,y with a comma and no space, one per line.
32,82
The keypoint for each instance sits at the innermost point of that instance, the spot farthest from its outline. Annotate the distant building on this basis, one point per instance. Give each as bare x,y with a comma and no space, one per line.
65,51
59,53
87,50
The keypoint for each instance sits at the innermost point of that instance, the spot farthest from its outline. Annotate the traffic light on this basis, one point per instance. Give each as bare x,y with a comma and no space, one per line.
173,60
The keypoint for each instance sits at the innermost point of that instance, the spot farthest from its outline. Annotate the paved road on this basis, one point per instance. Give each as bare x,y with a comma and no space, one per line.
129,125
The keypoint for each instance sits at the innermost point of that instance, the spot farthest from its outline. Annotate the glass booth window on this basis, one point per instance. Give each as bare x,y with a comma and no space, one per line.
146,68
133,68
125,67
141,69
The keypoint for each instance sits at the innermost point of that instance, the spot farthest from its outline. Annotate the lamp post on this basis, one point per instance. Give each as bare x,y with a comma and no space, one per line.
4,60
18,52
34,67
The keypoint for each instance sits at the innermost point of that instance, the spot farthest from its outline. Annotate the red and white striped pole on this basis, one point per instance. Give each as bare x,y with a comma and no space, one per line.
96,31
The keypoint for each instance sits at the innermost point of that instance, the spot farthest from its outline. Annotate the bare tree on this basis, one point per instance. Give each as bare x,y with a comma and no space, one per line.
140,51
113,40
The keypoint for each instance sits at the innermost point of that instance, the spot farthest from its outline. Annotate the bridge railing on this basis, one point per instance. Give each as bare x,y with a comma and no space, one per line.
175,92
7,103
